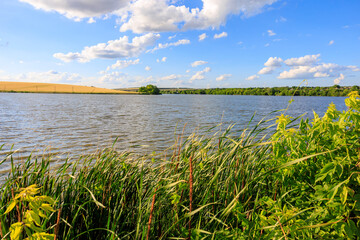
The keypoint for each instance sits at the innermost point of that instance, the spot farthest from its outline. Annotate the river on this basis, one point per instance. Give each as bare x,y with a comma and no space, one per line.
76,124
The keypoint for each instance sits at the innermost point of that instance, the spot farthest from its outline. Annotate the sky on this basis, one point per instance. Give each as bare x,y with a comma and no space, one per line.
181,43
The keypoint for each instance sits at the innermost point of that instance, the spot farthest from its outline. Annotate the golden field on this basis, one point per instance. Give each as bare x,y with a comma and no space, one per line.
55,88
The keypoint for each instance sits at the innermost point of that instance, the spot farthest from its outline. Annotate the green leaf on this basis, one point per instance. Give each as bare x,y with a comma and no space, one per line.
343,195
35,217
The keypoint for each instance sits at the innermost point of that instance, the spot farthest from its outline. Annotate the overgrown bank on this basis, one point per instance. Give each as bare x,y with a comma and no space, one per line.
334,91
300,182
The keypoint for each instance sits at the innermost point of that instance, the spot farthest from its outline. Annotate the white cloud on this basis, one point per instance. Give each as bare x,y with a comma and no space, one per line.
339,79
331,42
51,76
166,45
171,77
273,62
198,63
155,16
164,59
271,33
215,12
142,16
302,61
220,35
147,68
223,77
200,74
120,48
91,20
202,36
253,77
306,67
171,37
75,9
267,45
266,70
315,71
123,64
270,65
112,77
161,15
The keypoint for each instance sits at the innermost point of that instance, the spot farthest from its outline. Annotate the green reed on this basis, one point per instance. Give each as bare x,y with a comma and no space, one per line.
296,182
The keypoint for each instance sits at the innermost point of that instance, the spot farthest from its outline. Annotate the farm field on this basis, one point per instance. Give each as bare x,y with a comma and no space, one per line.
55,88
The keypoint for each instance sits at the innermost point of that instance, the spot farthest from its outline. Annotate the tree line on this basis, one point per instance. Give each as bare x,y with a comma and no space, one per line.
335,90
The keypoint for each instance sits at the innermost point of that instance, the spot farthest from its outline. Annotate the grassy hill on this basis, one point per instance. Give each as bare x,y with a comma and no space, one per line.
55,88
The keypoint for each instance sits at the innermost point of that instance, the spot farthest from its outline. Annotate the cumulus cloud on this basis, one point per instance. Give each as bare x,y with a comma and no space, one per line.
215,12
202,36
75,9
316,71
220,35
162,15
120,48
147,68
331,42
123,64
306,67
271,33
91,20
171,77
273,62
142,16
155,16
51,76
198,63
200,74
339,79
307,60
112,77
266,70
173,44
223,77
253,77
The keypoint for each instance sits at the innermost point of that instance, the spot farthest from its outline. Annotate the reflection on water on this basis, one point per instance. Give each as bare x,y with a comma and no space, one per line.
79,124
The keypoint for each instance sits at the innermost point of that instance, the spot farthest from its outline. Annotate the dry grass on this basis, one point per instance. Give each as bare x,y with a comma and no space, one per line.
54,88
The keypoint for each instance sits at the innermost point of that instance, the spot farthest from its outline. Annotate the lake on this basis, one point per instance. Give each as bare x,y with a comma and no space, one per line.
77,124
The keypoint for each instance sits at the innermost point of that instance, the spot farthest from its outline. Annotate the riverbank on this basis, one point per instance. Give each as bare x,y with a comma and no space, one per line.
333,91
298,182
30,87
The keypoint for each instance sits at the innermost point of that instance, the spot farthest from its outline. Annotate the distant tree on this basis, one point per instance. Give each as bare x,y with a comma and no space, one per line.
149,89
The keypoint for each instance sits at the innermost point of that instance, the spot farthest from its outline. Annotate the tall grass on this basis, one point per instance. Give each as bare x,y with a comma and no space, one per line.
293,183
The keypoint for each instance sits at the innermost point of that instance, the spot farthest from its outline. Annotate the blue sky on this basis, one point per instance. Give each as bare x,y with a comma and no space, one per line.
181,43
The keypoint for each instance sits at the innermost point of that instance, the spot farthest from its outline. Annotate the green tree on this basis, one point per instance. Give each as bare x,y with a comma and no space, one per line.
149,89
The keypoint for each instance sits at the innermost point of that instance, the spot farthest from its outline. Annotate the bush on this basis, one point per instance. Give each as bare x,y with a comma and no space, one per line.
149,89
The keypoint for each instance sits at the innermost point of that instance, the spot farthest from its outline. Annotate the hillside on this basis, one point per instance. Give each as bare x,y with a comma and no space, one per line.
55,88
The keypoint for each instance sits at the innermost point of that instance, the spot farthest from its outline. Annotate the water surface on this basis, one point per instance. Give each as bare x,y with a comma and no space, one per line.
78,124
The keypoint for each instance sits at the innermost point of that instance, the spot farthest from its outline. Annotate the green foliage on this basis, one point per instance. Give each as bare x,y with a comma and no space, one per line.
32,212
280,179
335,90
149,89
